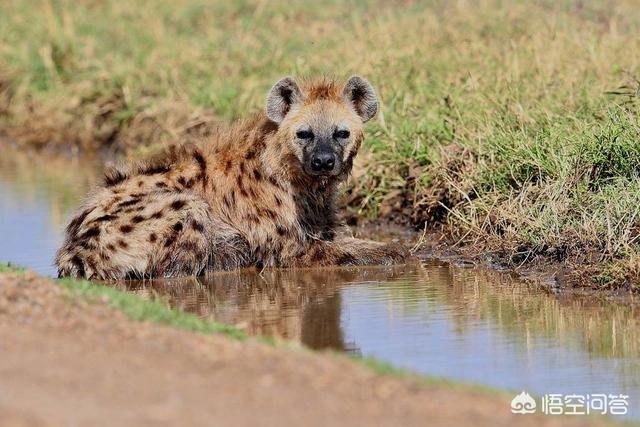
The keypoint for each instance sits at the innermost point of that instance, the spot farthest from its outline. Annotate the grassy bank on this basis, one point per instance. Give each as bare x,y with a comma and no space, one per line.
511,126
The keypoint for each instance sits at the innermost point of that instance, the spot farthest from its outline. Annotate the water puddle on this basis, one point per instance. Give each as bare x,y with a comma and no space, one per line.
464,324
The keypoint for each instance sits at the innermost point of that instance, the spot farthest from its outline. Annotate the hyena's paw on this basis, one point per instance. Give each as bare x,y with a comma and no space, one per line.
394,253
385,254
363,252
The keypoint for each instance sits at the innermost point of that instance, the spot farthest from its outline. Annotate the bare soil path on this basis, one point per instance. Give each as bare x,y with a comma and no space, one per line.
68,362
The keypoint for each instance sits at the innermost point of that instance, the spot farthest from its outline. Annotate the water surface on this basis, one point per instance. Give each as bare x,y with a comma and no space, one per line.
465,324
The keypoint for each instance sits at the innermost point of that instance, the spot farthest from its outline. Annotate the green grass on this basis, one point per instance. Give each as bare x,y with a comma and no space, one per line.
10,268
139,309
512,125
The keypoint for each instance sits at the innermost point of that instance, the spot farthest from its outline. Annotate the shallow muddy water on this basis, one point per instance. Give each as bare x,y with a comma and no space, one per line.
460,323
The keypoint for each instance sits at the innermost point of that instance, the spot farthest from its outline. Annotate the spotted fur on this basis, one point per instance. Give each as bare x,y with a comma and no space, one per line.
242,198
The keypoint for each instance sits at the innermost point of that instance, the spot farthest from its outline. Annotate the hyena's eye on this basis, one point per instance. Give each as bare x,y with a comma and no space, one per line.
342,134
304,134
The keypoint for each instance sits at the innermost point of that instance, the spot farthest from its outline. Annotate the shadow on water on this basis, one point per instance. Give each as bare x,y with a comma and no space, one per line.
466,324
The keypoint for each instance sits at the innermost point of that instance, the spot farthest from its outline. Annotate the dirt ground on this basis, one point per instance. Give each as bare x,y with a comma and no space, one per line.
67,362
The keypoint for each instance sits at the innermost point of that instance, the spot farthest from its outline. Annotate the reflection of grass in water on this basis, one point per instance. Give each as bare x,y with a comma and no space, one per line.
604,329
62,182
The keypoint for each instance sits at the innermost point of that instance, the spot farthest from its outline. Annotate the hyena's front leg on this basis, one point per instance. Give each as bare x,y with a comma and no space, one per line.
351,251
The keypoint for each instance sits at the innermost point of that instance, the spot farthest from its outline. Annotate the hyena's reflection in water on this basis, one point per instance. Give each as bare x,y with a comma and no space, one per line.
299,304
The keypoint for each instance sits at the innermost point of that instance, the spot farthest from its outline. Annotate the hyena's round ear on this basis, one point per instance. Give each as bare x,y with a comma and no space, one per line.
282,96
359,93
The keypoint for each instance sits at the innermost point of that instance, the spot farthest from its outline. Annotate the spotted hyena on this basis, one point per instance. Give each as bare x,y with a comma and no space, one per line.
260,192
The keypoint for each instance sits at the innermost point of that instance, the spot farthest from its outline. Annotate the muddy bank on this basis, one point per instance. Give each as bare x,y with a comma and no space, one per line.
69,362
566,278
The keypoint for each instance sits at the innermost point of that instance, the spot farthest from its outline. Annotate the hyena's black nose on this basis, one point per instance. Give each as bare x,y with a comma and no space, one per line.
323,162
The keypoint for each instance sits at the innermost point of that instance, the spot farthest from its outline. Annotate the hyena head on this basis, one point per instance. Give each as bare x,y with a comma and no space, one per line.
320,123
